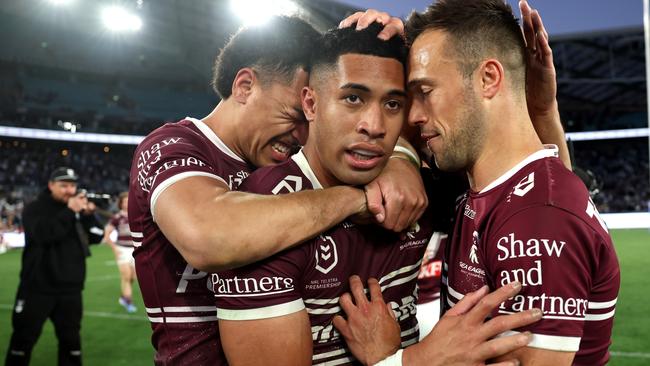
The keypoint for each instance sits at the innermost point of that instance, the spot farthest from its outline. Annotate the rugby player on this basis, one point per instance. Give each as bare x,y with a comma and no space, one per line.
526,217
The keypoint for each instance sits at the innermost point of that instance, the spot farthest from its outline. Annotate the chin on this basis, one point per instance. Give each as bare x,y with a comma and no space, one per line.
358,178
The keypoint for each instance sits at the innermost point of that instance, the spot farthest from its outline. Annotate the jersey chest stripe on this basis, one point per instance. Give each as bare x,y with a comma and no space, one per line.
410,331
457,295
183,319
136,235
322,301
409,342
338,361
400,281
329,354
400,271
333,310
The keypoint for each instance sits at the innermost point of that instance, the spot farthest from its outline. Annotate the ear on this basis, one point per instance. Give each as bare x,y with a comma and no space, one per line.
242,85
308,98
491,78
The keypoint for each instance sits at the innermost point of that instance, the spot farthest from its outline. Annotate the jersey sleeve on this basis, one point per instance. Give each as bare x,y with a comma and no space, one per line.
550,251
265,289
166,158
114,221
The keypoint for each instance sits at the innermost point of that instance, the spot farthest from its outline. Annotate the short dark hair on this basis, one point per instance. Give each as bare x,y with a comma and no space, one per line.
476,29
274,51
338,42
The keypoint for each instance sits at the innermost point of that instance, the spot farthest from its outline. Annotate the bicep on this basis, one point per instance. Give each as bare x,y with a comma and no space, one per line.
282,340
529,356
181,208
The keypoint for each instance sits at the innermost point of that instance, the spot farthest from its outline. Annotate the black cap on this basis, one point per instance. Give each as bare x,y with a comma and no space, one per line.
63,174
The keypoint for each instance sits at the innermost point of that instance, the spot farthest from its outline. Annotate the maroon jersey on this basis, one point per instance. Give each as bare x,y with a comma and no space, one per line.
429,279
537,225
313,275
178,298
120,221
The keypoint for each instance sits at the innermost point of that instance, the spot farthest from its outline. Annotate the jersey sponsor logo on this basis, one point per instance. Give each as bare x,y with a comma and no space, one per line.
326,254
510,247
473,257
290,183
431,270
267,285
147,160
553,307
235,180
469,212
525,185
191,274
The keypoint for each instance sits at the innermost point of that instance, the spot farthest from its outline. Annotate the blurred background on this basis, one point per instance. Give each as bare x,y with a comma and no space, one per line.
82,81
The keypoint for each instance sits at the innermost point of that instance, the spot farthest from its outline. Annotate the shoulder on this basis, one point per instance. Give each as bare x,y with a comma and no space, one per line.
282,178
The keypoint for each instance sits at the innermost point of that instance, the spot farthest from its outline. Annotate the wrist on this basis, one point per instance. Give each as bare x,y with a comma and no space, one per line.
393,360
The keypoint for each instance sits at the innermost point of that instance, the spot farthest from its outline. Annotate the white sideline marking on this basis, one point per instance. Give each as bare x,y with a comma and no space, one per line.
630,354
97,314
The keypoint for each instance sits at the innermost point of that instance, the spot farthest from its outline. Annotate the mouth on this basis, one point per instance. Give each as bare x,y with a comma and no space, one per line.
282,150
430,138
364,156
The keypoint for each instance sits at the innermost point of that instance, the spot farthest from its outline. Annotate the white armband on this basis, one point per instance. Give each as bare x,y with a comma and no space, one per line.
393,360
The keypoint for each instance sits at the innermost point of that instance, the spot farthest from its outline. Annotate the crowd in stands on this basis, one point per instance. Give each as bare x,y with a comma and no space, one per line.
621,170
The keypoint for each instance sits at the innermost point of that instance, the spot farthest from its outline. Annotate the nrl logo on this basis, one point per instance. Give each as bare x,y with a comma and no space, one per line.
326,254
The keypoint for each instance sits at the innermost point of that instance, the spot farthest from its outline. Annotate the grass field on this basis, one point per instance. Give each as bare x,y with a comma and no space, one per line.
112,337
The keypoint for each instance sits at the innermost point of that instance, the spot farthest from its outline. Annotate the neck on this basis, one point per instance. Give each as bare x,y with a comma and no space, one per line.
224,121
324,176
510,139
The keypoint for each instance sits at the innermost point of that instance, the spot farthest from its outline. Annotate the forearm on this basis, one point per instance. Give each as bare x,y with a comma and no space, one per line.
550,131
232,229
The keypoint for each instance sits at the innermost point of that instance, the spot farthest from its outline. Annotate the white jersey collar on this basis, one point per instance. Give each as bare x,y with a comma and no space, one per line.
300,159
207,131
549,151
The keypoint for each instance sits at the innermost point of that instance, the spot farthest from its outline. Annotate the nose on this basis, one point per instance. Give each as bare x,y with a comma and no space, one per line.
417,114
372,123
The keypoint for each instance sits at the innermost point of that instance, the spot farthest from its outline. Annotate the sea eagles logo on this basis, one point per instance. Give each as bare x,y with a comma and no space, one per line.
413,229
473,257
525,185
326,255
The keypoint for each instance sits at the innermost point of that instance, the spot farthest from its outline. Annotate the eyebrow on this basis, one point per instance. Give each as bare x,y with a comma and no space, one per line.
364,88
419,81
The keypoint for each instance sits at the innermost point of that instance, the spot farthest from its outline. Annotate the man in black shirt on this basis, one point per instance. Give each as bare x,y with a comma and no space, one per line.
59,225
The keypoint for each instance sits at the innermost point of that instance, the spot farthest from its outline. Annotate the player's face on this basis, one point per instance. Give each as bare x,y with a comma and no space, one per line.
359,112
444,104
125,204
277,125
62,190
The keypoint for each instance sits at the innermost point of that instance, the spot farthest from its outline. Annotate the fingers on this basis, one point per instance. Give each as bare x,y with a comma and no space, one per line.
345,301
503,345
375,201
527,23
391,312
545,52
500,324
467,302
341,325
374,289
489,302
356,288
392,25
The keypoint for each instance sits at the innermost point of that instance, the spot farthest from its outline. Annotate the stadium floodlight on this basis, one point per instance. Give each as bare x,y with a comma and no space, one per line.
118,19
258,12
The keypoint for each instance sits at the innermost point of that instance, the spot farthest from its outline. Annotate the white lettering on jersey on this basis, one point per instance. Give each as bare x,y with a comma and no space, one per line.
189,275
593,212
297,184
510,247
326,254
525,185
250,286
